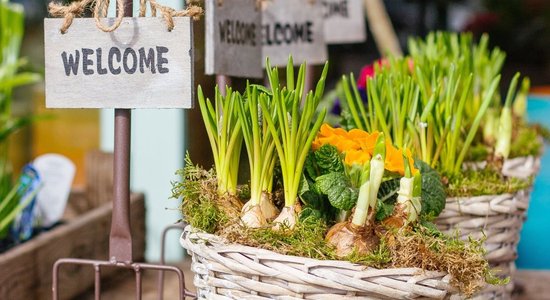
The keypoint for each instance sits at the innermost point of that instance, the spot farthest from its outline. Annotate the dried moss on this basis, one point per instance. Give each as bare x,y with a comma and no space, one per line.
483,182
464,261
201,205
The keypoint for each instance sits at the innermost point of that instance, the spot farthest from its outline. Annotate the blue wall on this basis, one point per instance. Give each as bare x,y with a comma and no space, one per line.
534,246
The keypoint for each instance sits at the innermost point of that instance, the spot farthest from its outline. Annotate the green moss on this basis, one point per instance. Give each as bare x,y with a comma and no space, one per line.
197,191
526,142
484,182
478,152
307,239
380,258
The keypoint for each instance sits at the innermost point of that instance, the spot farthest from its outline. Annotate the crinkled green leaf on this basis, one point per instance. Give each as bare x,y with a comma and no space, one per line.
328,159
308,193
310,168
433,191
338,190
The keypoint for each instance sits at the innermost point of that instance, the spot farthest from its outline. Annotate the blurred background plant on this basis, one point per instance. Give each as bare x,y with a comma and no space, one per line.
11,76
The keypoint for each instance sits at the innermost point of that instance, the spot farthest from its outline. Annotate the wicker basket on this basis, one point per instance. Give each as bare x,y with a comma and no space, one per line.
520,167
498,218
231,271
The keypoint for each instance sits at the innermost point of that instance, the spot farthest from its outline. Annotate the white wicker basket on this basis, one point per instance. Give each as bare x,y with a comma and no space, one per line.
498,218
520,167
232,271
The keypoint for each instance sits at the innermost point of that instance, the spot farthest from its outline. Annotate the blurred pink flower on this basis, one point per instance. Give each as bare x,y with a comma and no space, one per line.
368,71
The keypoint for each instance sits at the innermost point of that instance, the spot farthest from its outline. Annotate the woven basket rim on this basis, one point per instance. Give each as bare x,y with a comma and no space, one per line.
217,264
222,246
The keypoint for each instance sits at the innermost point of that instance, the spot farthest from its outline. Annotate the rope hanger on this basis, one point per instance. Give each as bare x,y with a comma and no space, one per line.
100,8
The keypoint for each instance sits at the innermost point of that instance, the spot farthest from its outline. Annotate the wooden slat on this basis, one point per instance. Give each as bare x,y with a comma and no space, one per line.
25,271
99,178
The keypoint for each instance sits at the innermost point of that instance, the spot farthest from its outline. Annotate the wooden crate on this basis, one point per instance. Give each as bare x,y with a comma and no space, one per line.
26,270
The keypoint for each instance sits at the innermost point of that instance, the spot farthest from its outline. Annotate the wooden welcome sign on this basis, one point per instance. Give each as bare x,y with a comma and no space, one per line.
344,21
293,27
139,65
233,38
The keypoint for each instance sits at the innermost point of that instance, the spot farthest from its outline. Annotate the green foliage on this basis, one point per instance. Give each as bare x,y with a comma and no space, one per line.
338,189
318,198
387,196
11,36
316,205
433,191
384,210
293,121
328,159
323,161
225,135
478,152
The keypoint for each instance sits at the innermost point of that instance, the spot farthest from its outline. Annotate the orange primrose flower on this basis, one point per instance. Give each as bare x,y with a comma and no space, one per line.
358,157
358,145
394,160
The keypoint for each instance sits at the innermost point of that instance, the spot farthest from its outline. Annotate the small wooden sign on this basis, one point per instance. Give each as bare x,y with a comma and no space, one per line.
139,65
293,27
344,21
233,38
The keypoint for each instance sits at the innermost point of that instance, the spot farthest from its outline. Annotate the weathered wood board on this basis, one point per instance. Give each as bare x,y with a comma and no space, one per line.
233,38
139,65
293,27
26,270
344,21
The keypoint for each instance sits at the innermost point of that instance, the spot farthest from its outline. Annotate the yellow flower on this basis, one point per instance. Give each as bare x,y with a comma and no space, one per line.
394,160
358,157
358,145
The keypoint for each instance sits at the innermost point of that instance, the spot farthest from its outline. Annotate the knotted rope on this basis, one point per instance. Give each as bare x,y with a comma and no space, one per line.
100,7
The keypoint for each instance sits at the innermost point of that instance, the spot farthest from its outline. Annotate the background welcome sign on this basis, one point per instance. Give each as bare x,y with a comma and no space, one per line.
293,27
139,65
344,21
233,38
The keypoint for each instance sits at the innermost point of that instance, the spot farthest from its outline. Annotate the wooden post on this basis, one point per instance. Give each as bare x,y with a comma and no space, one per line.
381,28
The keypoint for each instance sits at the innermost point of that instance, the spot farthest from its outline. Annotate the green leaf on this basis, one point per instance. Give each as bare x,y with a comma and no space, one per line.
383,210
308,194
310,168
338,189
387,192
309,213
328,159
19,80
433,191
